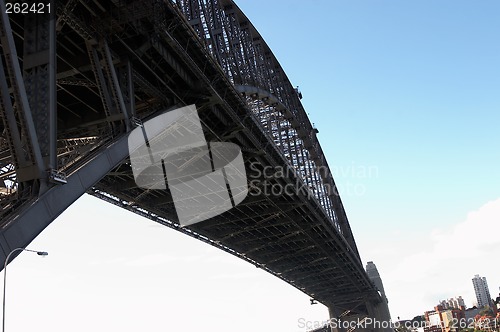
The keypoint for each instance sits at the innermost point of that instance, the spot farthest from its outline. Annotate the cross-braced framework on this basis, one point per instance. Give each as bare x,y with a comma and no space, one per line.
248,62
76,81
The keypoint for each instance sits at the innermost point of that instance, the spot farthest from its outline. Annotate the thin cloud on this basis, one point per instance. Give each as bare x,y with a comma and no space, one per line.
448,261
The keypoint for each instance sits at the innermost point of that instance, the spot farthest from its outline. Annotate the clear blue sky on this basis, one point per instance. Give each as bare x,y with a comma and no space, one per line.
406,96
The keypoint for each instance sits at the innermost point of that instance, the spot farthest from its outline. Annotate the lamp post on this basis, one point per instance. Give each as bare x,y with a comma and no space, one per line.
39,253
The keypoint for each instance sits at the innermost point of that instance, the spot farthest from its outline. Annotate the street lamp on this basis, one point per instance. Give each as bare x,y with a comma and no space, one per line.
39,253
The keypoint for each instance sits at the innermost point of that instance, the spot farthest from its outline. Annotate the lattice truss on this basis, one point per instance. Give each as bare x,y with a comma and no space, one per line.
223,30
249,63
44,136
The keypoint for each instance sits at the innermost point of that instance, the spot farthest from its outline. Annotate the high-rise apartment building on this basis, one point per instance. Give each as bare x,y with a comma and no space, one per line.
482,292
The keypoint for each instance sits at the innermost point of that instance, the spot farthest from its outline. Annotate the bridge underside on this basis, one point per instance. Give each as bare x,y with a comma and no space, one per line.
282,234
120,63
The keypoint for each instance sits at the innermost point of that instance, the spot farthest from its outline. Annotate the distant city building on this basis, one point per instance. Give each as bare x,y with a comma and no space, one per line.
453,303
482,292
444,320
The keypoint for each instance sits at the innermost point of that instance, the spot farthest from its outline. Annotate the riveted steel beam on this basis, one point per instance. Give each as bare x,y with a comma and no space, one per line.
39,67
30,165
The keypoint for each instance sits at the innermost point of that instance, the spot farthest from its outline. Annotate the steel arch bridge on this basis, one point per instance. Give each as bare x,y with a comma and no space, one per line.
79,75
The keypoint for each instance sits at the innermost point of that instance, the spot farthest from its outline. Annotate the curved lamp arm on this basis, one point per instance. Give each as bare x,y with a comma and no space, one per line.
39,253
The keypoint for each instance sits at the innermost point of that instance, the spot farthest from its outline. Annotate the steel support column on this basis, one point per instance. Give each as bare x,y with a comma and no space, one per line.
39,67
22,135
